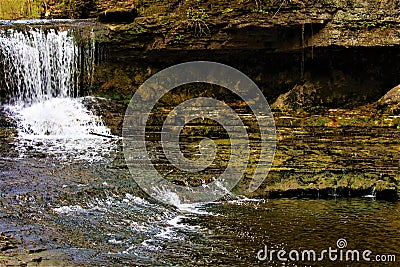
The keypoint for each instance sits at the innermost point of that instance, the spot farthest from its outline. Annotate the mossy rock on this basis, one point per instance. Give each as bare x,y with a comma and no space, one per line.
74,9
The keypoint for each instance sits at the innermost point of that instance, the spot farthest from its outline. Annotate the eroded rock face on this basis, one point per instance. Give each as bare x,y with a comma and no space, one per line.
344,50
389,105
300,97
111,112
392,97
268,25
261,24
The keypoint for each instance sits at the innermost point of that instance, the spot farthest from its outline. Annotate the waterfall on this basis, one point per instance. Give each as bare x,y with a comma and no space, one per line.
43,72
40,64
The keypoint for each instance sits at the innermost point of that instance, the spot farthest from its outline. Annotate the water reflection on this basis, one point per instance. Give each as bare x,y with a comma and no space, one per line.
244,227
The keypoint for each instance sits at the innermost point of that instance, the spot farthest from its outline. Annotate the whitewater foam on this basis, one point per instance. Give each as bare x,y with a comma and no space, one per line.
62,127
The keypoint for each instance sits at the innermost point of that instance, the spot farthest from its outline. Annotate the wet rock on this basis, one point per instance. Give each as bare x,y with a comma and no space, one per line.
111,112
387,109
6,123
5,120
75,9
300,97
392,97
36,249
389,105
7,242
8,133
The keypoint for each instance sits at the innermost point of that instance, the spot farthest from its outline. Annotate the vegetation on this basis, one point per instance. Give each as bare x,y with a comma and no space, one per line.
196,18
76,8
29,9
17,9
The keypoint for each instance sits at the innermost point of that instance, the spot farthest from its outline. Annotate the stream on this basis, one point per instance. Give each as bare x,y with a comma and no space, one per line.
92,214
67,197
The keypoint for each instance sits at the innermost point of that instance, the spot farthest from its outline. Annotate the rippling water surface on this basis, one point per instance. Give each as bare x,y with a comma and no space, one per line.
94,214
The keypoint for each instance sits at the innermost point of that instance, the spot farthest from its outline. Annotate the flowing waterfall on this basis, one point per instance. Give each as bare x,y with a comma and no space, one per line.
39,64
42,73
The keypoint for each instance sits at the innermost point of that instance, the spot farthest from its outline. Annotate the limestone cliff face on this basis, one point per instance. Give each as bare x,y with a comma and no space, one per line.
280,25
345,50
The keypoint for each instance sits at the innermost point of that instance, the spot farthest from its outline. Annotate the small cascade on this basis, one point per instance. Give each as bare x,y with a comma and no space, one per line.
58,118
372,195
44,72
334,193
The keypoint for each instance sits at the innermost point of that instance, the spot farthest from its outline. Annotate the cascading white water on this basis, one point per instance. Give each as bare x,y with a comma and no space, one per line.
42,73
39,64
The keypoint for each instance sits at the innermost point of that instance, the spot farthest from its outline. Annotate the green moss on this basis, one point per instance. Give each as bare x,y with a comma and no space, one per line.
260,11
367,24
356,122
196,19
137,30
179,37
318,121
385,26
198,13
227,10
118,96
